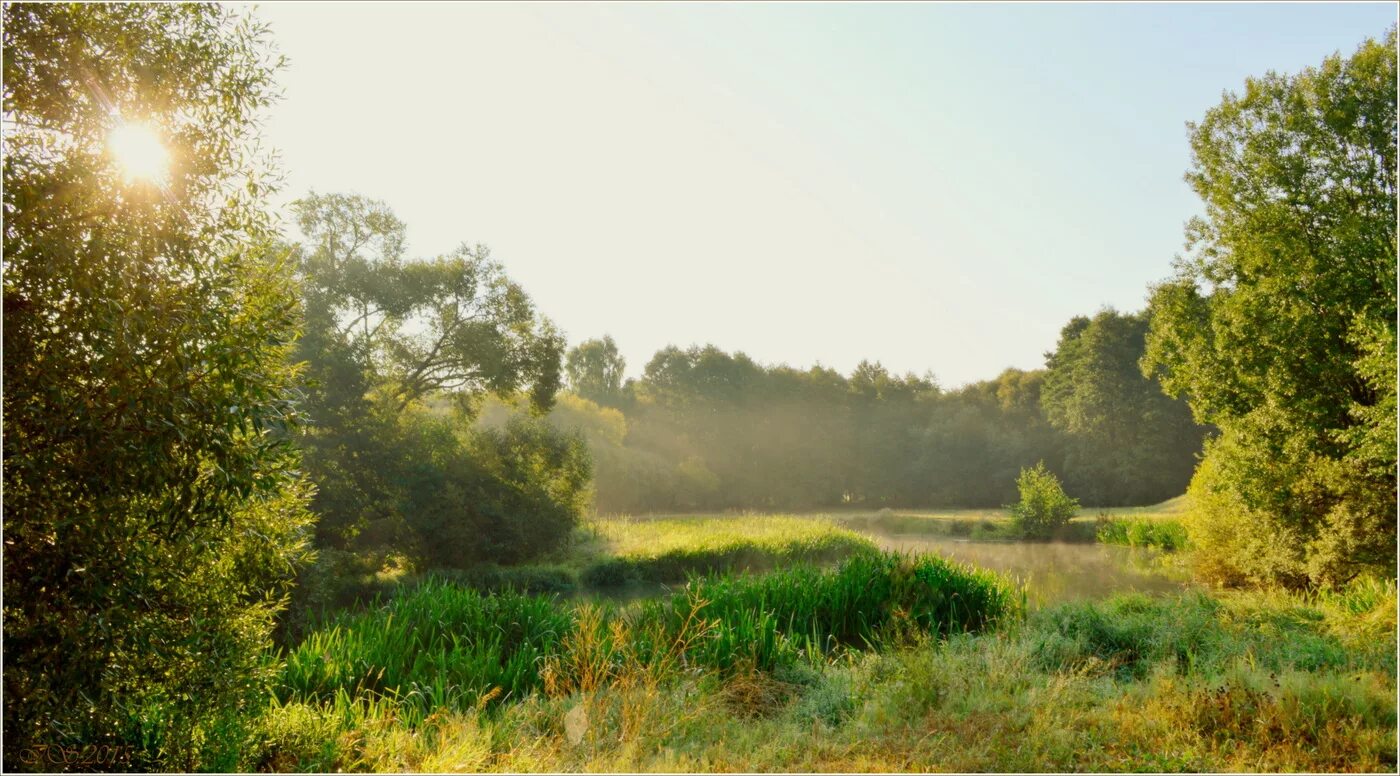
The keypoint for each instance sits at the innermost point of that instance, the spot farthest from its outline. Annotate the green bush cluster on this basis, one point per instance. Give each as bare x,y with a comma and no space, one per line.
1279,325
451,496
1044,507
154,512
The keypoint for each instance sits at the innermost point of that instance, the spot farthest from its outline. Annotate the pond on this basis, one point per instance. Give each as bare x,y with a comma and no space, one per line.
1053,571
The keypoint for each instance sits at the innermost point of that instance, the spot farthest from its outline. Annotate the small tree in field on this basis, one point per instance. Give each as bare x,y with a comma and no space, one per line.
1044,506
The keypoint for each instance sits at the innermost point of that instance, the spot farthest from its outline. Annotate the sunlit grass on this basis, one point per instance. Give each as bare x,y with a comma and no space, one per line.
1258,681
668,549
650,537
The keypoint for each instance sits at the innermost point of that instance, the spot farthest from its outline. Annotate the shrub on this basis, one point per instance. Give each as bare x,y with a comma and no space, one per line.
613,572
1043,507
506,495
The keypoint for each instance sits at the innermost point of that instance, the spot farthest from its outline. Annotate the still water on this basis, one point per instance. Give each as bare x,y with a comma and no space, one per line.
1053,571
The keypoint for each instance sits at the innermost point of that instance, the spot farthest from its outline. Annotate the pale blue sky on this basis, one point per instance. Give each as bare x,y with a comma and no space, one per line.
938,187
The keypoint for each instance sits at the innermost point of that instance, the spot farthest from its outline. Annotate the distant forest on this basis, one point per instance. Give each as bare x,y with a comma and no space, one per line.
705,429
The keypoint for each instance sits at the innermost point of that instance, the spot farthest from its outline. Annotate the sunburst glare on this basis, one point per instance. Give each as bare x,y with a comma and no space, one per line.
137,148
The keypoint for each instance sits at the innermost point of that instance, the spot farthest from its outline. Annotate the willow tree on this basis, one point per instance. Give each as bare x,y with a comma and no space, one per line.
1279,326
152,508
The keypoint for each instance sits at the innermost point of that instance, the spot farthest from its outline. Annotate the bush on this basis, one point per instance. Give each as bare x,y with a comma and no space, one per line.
489,495
613,572
1043,507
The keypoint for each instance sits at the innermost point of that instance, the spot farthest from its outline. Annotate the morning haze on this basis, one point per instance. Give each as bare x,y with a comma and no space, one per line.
936,187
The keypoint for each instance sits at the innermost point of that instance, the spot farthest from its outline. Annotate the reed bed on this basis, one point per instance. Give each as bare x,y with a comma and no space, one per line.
1165,534
444,646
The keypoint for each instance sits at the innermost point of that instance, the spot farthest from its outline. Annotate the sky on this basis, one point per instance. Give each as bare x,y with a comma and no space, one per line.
937,187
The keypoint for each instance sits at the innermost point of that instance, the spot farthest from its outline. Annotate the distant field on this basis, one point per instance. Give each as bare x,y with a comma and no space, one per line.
667,549
657,534
1171,508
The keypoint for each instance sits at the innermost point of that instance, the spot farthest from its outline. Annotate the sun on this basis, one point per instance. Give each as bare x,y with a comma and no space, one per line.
138,150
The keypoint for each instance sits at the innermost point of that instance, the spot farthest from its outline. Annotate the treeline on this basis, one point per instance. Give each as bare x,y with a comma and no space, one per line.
425,380
705,429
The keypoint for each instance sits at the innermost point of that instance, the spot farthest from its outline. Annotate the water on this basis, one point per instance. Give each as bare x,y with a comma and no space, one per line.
1053,571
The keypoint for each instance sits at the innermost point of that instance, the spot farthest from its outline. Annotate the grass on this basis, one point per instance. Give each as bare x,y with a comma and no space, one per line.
1163,533
884,662
441,646
672,548
1226,682
975,524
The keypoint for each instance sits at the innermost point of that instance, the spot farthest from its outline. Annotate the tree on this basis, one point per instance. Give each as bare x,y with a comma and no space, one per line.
387,334
153,512
1126,441
451,323
1279,325
1043,507
595,370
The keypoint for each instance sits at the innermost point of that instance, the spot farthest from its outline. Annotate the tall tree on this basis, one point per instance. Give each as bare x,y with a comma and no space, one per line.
385,334
1126,441
152,506
595,369
1279,319
454,322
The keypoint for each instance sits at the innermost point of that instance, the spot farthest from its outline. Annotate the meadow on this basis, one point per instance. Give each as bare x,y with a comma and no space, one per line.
797,644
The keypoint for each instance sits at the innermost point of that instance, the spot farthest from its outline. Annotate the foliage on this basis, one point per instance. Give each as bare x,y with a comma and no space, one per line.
595,370
153,512
1279,327
486,494
442,646
706,430
451,323
400,353
1224,682
1126,442
1044,507
1169,535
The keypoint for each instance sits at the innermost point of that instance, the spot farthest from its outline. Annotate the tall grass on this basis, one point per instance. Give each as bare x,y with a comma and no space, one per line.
870,599
1165,534
444,646
439,646
1226,682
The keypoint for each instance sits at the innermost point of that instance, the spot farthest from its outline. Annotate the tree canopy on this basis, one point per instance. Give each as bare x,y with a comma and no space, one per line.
399,352
1126,442
1279,319
595,370
153,510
